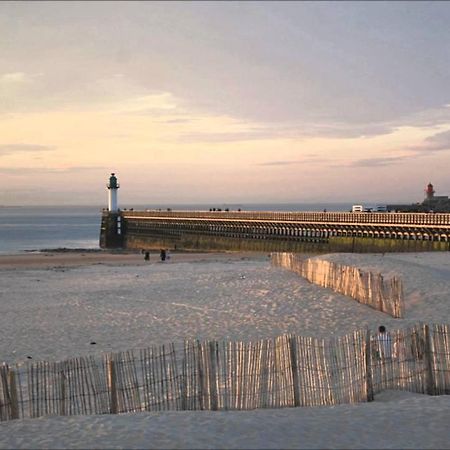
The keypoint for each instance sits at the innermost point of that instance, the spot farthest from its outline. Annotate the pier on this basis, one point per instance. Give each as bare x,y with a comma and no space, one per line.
275,231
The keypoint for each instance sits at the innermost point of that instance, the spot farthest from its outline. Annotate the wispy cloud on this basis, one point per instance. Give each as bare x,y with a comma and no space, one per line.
157,103
18,77
380,161
279,163
48,170
293,131
344,131
306,159
428,117
250,134
181,120
7,149
437,142
13,77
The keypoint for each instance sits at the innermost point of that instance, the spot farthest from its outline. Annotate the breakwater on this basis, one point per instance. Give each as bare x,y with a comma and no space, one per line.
276,231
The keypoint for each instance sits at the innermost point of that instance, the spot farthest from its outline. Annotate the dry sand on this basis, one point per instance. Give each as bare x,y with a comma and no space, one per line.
55,305
396,420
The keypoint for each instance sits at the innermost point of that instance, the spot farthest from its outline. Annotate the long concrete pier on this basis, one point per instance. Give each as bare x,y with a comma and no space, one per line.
340,231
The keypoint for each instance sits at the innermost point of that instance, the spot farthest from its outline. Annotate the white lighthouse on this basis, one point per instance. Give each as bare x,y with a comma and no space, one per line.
112,186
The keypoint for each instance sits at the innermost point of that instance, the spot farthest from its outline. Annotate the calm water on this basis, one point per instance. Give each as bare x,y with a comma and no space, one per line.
36,228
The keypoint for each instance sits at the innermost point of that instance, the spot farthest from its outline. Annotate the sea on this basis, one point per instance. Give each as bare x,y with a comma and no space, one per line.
37,228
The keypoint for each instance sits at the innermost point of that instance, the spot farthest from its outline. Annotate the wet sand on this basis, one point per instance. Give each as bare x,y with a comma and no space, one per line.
59,258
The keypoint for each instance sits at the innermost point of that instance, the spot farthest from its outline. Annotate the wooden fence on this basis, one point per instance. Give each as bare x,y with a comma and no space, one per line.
286,371
368,288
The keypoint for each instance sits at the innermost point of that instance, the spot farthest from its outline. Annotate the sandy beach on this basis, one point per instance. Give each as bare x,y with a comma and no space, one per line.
57,305
69,258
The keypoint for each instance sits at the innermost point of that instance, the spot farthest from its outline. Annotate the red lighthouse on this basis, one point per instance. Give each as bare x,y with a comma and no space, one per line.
429,191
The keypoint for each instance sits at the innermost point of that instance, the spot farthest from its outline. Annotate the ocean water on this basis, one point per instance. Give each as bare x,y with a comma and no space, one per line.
36,228
25,228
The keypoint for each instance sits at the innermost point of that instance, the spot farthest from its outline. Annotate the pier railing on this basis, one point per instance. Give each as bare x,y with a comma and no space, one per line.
371,289
286,371
432,219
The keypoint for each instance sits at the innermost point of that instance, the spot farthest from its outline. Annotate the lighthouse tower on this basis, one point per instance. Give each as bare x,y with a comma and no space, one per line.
111,232
112,186
429,192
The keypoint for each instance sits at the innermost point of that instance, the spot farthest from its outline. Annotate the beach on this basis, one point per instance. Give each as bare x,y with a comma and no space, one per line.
58,305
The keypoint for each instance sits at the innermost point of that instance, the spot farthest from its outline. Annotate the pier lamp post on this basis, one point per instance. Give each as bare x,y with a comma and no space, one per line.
112,186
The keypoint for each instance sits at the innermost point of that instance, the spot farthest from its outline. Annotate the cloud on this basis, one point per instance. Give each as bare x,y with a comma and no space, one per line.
262,131
279,163
379,161
345,131
48,170
428,117
252,132
153,103
232,136
18,77
14,77
171,121
306,159
438,142
7,149
371,70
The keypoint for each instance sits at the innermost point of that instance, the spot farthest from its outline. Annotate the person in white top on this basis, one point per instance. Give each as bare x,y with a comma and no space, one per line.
384,343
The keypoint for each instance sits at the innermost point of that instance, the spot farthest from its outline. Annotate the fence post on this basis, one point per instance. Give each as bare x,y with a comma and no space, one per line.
294,368
368,356
184,377
62,400
213,375
7,393
431,388
401,300
380,292
14,398
112,384
200,377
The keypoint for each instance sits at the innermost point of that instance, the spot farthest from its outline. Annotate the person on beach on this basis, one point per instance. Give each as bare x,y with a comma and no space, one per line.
147,256
383,344
163,255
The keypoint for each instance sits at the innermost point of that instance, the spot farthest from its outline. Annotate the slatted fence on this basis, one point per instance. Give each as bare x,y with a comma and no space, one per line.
371,289
287,371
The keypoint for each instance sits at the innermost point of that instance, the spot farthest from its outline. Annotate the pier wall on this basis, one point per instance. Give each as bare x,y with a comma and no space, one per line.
276,231
111,233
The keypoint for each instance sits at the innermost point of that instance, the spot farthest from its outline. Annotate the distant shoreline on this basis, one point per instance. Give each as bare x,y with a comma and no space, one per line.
65,250
116,251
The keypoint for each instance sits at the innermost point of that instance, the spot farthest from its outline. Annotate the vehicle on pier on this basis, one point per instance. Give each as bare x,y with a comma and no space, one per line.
362,208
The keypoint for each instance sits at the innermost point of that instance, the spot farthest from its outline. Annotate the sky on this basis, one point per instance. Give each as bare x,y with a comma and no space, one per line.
238,102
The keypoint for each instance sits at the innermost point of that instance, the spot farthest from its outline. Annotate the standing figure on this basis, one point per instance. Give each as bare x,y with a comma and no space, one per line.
147,256
383,343
163,255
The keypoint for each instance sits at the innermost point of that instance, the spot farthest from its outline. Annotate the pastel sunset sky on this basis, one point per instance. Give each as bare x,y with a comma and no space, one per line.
192,102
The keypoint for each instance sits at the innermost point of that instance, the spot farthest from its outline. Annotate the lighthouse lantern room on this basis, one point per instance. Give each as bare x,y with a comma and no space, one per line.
112,186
